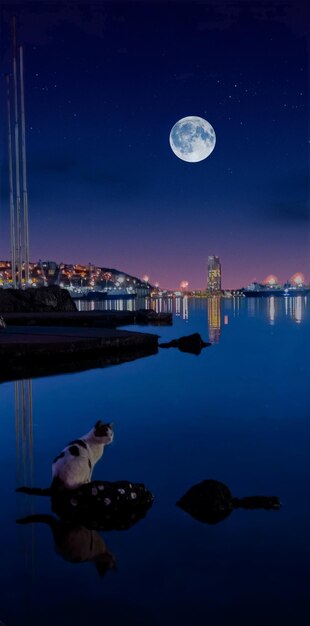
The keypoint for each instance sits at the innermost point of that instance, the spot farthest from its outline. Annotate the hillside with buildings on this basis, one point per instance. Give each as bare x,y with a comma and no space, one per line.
77,278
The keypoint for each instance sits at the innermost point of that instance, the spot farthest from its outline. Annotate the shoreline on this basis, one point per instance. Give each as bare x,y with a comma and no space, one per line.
32,351
88,319
43,333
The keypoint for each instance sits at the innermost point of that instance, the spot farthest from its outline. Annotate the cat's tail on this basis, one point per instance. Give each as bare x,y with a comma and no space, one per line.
35,491
43,519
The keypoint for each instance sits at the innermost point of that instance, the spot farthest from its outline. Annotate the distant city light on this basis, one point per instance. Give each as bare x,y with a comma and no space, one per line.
184,284
146,278
298,278
270,280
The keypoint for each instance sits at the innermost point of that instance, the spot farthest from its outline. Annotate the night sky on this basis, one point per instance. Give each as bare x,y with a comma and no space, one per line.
105,82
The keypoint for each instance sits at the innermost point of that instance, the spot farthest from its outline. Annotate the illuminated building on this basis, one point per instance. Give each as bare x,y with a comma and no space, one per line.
214,274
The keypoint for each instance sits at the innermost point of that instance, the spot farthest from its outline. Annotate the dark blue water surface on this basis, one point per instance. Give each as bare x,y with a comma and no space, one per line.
238,413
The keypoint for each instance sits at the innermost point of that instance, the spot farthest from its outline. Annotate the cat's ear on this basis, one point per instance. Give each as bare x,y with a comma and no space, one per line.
101,429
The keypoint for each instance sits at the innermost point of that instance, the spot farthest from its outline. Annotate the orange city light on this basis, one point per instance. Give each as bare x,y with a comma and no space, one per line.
298,278
270,280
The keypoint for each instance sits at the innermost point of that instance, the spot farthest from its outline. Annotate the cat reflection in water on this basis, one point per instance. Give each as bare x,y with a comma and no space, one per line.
84,505
75,543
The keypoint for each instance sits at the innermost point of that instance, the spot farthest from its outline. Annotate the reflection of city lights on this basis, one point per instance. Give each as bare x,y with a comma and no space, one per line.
298,310
185,308
225,320
272,310
214,319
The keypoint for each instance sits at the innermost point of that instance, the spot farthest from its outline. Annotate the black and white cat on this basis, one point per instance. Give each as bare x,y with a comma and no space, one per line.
74,465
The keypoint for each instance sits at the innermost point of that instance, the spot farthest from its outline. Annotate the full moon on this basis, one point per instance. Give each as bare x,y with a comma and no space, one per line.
192,139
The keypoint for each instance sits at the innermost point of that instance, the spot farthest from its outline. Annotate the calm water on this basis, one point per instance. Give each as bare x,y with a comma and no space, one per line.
238,413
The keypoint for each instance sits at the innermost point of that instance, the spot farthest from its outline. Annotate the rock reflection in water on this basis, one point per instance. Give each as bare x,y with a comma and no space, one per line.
76,543
211,502
66,363
94,506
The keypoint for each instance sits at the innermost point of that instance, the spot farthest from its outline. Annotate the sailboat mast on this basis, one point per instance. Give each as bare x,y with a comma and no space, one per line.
24,163
12,208
16,133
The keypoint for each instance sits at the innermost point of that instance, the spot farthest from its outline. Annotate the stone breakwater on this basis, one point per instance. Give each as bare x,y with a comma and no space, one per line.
39,300
53,306
40,351
42,333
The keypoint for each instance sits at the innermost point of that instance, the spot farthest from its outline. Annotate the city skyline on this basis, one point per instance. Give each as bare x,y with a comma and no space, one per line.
104,84
94,276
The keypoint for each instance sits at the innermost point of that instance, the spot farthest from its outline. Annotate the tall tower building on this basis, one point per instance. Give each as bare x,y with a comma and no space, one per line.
214,274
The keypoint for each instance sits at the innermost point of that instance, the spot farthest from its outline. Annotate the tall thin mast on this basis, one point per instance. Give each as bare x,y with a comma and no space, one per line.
18,211
25,190
12,208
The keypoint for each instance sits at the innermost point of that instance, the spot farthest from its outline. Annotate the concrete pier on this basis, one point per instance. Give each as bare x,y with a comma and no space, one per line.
28,351
90,319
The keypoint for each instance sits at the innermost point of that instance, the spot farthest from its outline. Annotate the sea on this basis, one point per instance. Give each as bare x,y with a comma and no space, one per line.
237,413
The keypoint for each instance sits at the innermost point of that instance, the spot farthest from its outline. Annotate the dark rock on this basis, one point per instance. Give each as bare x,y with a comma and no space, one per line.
192,344
211,502
147,313
100,505
149,316
104,505
36,300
